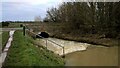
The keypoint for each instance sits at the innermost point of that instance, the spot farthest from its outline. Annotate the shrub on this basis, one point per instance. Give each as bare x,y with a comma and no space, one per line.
5,24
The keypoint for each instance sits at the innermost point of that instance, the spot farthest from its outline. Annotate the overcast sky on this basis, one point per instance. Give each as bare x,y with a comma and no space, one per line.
25,10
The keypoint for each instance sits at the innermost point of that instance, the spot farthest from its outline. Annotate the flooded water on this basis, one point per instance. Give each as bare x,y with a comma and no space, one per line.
94,56
83,54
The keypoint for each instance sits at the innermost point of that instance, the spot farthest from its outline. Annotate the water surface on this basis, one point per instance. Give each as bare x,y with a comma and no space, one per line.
94,56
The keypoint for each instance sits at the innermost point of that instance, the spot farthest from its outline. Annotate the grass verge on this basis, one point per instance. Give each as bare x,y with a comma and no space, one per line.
24,53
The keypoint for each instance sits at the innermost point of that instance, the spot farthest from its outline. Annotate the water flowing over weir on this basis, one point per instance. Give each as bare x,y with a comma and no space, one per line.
57,45
82,54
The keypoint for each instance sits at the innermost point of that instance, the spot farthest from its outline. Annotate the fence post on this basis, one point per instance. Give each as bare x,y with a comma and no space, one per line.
24,30
63,52
46,43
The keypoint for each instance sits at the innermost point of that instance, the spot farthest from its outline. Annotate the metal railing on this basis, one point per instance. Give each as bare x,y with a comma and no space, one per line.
57,45
50,41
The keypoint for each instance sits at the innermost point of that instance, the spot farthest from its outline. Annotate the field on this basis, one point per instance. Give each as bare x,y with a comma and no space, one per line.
11,25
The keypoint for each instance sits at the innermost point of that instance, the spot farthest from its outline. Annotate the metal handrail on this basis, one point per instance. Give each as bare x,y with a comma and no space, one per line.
55,43
52,42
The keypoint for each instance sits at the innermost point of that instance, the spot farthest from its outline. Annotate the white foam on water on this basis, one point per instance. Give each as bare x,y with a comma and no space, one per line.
69,46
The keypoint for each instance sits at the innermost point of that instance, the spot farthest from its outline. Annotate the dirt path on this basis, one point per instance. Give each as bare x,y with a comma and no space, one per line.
4,53
0,42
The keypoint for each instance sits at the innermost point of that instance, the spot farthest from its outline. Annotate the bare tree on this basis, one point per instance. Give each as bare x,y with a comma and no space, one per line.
37,19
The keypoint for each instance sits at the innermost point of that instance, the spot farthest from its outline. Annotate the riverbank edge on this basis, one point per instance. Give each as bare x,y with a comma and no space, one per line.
108,42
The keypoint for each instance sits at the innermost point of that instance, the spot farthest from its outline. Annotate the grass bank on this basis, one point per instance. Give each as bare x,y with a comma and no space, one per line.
91,39
59,30
23,52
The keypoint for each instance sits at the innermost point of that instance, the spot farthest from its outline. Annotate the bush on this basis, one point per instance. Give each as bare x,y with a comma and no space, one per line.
5,24
21,25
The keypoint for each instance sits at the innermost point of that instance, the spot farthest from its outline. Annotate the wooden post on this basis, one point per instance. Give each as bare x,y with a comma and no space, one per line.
46,43
24,30
63,53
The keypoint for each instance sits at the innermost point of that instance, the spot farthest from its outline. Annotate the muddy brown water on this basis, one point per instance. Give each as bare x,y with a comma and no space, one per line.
93,56
88,55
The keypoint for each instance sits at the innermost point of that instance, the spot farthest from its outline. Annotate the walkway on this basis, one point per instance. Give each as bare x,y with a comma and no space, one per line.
4,53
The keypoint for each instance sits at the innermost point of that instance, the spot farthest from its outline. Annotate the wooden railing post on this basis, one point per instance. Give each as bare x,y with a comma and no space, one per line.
46,43
63,52
24,30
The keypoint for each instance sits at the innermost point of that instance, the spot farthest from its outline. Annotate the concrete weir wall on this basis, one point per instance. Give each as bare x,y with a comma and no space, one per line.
57,45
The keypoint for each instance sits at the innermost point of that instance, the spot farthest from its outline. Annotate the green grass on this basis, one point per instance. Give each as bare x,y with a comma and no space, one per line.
5,36
24,53
14,25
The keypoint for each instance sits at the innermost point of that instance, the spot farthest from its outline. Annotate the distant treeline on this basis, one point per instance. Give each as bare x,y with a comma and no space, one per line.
6,23
88,17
